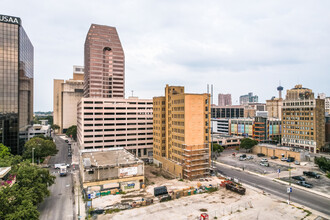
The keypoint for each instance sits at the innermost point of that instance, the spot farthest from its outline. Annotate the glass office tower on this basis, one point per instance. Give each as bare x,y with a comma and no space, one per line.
16,83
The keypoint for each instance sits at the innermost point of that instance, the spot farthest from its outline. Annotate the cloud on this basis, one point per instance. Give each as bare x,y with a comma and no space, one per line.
238,46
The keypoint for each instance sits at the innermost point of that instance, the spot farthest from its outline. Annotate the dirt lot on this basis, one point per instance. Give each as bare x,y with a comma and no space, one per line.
221,204
251,165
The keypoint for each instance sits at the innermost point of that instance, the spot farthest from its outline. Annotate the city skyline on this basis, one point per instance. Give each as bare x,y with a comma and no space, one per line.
238,50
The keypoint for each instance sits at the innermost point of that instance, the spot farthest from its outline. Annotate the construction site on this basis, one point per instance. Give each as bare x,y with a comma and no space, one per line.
217,196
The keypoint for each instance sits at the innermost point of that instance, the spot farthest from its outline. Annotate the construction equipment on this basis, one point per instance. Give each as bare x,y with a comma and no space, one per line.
235,188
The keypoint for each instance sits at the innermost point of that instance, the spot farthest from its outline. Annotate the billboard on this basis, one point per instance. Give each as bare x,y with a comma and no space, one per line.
128,171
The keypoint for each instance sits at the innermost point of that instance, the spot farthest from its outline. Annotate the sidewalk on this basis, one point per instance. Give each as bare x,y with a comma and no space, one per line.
79,203
277,180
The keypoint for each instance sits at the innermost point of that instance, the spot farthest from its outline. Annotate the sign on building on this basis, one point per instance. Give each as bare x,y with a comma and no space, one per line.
128,171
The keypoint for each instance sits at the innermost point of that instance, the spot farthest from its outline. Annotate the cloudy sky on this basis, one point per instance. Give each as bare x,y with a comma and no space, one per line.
238,46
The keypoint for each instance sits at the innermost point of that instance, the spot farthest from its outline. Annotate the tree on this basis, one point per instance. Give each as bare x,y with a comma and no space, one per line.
323,163
43,137
42,148
248,143
217,148
4,151
72,132
55,127
7,159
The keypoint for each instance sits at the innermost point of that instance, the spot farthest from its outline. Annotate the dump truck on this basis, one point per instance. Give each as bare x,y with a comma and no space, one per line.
235,188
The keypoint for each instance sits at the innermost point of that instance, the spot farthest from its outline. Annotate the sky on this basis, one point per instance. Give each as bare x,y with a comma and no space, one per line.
238,46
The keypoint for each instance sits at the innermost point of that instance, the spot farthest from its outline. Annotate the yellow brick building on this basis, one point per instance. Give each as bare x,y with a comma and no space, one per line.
181,133
303,120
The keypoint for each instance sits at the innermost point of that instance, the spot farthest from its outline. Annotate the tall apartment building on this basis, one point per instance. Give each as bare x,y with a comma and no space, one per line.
327,104
224,99
67,94
16,83
274,107
303,119
181,132
107,123
104,63
249,98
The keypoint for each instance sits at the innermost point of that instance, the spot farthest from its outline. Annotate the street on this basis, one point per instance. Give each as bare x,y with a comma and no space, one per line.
59,205
307,199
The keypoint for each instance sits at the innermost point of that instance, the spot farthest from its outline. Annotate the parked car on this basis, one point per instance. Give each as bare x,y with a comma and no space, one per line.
290,159
300,178
243,155
284,159
266,164
242,158
250,157
303,183
264,160
296,162
261,155
311,174
274,157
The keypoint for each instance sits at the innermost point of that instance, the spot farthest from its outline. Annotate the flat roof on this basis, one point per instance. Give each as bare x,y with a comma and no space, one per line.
4,171
273,146
108,157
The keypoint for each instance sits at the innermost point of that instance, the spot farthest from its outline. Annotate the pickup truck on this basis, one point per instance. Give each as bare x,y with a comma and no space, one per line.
311,174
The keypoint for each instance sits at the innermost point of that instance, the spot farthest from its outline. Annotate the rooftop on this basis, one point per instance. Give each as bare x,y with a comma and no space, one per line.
108,158
4,171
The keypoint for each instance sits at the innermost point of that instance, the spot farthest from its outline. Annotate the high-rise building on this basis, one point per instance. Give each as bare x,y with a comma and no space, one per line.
105,123
274,107
224,99
249,98
303,119
181,132
67,94
233,111
104,63
16,83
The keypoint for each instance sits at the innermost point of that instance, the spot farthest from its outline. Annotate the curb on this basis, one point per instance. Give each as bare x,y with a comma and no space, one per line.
276,180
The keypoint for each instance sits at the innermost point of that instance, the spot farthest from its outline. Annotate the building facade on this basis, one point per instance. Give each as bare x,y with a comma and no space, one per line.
104,63
66,96
327,105
107,171
249,98
274,107
224,99
303,119
259,128
16,83
181,132
234,111
107,123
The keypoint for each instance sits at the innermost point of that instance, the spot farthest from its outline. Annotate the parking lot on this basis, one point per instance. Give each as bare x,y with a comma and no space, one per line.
321,185
252,165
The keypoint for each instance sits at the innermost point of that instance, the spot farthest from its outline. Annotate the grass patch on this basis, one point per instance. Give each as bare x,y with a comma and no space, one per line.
212,190
110,211
181,180
328,175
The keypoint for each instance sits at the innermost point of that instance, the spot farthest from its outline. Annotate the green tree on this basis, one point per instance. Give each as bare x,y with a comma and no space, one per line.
323,163
248,143
217,148
55,127
42,148
72,132
43,137
4,151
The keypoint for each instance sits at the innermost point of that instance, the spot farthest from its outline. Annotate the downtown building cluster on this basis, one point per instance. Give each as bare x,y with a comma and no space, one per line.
300,120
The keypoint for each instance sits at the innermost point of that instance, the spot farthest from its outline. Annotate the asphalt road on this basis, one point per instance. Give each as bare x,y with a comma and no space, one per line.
305,198
59,205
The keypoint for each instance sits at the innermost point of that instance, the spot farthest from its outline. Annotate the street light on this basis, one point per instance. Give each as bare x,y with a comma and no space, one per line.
33,155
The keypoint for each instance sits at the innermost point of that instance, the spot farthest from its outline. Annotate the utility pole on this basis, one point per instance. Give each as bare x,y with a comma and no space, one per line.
33,155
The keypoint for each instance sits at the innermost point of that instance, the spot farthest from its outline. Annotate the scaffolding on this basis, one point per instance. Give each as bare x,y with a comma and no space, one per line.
196,161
